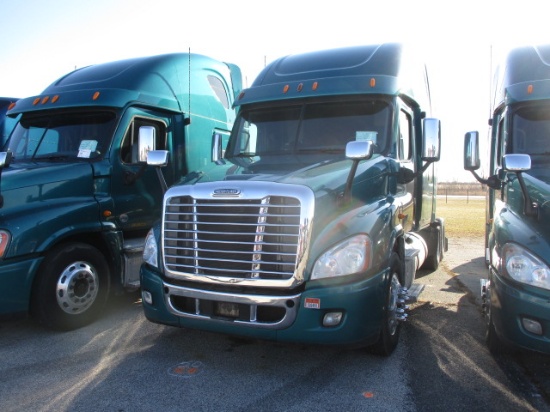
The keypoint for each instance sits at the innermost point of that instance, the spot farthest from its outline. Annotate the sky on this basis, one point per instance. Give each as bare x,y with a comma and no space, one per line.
461,41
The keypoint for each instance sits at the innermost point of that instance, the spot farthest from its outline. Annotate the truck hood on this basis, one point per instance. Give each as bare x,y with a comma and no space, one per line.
327,181
25,183
512,225
324,176
538,184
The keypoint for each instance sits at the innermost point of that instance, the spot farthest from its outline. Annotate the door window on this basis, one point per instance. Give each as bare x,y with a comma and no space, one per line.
129,151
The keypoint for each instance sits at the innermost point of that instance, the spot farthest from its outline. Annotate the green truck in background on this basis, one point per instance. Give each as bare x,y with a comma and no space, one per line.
311,225
76,195
516,294
6,123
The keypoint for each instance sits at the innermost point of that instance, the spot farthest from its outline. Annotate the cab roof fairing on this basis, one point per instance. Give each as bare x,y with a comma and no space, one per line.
343,71
522,66
158,81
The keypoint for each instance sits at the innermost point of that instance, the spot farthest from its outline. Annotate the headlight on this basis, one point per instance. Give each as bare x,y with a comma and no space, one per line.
150,251
524,267
346,258
4,240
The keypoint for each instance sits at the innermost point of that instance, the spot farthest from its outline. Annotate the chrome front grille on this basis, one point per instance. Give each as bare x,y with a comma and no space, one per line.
234,238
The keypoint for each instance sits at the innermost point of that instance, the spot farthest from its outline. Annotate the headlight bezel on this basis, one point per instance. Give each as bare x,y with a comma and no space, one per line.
150,249
522,266
333,264
5,238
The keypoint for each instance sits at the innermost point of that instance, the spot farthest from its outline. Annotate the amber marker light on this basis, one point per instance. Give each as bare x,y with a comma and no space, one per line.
241,95
36,101
285,89
372,82
45,99
55,98
530,89
11,106
107,213
314,86
95,96
300,87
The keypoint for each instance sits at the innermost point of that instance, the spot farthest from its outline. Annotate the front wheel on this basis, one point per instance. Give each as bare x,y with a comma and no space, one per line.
495,345
71,288
393,312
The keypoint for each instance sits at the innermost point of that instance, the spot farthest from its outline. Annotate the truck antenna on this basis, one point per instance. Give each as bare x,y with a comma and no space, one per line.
490,76
189,88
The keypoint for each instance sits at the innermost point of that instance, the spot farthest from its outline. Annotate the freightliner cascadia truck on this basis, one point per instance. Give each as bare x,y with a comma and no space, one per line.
77,196
516,294
6,123
314,220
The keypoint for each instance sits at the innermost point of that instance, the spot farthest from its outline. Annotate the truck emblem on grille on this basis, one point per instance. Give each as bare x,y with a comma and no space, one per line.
227,192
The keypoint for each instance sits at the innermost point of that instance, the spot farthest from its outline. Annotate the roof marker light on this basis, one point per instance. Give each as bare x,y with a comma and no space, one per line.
11,106
55,98
372,82
241,95
314,86
530,89
300,87
95,96
45,99
285,89
36,101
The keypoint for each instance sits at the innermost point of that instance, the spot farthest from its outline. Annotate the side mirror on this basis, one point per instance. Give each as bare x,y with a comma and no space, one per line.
431,140
519,163
157,158
5,159
359,150
146,141
516,162
217,148
471,151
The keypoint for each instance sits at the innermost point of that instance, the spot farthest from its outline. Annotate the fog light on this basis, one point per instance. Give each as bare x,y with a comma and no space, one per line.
332,318
532,326
147,297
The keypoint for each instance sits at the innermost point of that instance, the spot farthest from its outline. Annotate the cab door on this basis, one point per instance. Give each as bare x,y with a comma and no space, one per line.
404,152
136,190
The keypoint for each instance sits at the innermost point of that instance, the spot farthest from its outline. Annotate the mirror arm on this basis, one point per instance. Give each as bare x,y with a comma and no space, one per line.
131,177
530,208
346,198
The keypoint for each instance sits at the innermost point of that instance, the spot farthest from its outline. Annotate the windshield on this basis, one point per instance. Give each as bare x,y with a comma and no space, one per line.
62,136
531,135
531,130
310,128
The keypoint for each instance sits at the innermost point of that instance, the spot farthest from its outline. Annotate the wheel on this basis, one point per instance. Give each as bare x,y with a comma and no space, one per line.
71,287
392,316
495,345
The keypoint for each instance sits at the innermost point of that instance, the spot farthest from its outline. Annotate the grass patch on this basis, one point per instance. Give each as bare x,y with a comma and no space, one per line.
463,217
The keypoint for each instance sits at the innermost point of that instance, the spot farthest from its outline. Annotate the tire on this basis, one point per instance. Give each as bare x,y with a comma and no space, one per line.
391,325
495,345
71,288
435,249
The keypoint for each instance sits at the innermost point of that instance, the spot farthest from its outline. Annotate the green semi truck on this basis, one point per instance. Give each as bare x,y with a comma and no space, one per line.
516,294
76,195
312,223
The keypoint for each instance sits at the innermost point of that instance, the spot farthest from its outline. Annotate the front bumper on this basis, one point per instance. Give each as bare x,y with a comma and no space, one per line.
16,280
290,318
515,312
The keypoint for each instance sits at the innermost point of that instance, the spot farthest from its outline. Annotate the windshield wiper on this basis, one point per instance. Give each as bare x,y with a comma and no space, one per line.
322,150
52,157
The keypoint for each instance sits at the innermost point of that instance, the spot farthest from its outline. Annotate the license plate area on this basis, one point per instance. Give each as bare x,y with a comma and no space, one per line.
226,310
